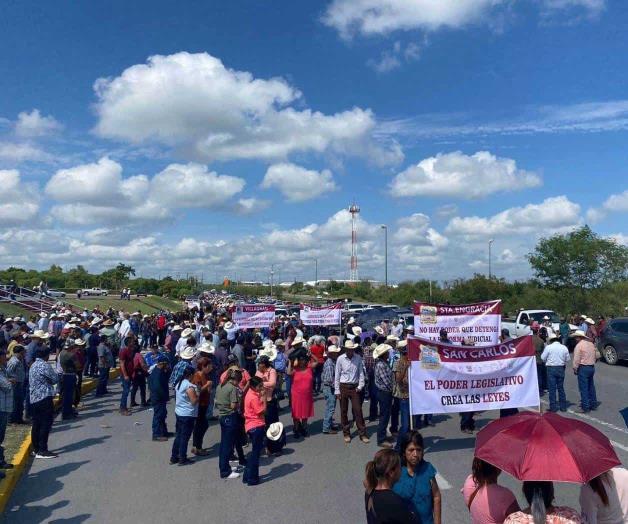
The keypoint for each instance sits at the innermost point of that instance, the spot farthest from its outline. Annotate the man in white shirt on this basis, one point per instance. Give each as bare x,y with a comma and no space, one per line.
125,328
556,356
348,382
396,329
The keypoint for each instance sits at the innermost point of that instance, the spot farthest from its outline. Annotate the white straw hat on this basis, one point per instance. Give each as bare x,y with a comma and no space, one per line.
274,431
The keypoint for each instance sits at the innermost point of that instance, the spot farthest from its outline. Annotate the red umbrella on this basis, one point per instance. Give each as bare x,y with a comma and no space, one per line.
530,446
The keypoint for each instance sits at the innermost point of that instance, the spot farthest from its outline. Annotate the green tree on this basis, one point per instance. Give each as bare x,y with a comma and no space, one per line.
579,262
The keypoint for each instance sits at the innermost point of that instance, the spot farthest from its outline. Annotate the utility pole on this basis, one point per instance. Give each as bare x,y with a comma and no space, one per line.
385,228
272,273
490,243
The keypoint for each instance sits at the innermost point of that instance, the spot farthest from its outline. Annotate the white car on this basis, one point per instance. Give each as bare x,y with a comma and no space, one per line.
94,291
55,294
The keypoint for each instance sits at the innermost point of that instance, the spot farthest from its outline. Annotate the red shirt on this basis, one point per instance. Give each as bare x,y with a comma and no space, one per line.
318,351
126,361
253,411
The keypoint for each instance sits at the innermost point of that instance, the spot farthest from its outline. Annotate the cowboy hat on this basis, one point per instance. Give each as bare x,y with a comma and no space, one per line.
79,342
136,314
186,332
351,320
349,344
274,431
297,340
589,321
188,353
228,325
333,349
546,317
43,314
381,350
270,352
357,330
393,338
39,333
379,330
579,333
108,322
177,327
279,342
402,344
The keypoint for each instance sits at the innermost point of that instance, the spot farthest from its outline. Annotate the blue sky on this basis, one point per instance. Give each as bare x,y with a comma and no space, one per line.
221,138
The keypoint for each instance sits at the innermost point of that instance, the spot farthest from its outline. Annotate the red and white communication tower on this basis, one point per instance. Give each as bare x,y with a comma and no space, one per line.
353,274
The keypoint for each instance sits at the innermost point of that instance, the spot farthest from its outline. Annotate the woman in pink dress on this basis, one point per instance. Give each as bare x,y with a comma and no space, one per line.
301,370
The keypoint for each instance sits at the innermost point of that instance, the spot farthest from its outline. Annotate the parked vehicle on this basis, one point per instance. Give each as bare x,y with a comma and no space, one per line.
520,325
93,292
55,294
613,340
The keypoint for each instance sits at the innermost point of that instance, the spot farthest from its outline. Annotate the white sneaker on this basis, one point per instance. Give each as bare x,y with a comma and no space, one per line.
234,475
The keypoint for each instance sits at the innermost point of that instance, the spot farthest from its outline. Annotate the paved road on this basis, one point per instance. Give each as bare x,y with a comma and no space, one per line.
109,470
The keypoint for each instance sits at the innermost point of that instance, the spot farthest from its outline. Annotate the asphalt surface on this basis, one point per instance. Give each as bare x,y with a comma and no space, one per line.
109,470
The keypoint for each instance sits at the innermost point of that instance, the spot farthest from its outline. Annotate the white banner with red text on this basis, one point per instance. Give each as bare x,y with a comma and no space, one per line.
320,315
446,378
254,315
480,323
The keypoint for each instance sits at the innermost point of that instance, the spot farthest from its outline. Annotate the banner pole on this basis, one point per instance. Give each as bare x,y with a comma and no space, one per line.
410,396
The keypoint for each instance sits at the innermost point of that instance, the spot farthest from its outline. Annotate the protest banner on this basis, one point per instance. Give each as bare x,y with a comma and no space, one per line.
329,315
254,315
480,323
445,378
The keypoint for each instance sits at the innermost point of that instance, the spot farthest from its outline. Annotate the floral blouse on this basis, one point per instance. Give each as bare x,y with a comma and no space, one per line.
559,515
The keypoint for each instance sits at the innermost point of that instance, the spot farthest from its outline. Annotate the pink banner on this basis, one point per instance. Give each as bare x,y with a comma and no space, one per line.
479,323
446,378
321,315
254,315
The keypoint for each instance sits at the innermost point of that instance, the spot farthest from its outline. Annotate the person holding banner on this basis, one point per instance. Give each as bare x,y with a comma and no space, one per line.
401,392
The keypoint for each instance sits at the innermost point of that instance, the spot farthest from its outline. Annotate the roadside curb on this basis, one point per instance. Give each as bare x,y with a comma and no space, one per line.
22,458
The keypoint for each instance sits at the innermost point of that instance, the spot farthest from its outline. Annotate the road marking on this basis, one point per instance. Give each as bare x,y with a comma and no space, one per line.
593,419
442,483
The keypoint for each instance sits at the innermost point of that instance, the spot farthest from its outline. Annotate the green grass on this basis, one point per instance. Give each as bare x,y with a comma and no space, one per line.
149,304
11,310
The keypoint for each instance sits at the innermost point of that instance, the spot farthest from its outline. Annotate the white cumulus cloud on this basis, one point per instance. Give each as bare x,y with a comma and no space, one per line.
19,202
35,124
617,203
209,112
97,193
550,215
462,176
298,184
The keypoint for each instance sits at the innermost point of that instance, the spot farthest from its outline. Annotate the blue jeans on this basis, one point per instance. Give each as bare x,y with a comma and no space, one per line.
373,397
588,398
394,415
18,402
384,398
4,419
103,380
67,395
556,381
318,373
251,470
126,389
404,415
159,418
229,428
330,407
185,426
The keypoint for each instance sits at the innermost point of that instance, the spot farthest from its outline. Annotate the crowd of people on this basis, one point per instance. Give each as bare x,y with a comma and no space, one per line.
242,378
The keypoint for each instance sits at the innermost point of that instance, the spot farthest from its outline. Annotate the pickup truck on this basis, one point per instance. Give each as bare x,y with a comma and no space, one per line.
94,291
520,325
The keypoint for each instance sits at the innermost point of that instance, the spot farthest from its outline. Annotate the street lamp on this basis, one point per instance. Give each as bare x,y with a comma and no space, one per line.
490,243
385,228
